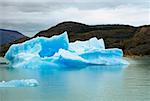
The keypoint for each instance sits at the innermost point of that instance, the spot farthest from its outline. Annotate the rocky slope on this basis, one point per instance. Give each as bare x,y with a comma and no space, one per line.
133,40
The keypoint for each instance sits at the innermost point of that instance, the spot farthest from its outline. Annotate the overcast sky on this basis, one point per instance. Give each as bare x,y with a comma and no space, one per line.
32,16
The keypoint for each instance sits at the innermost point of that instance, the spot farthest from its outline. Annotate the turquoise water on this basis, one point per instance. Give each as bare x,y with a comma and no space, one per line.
94,83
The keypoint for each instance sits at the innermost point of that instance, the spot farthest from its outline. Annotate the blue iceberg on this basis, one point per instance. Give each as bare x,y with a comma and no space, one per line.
58,52
20,83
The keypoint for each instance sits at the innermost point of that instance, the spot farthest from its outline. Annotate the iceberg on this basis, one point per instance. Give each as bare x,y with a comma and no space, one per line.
20,83
56,51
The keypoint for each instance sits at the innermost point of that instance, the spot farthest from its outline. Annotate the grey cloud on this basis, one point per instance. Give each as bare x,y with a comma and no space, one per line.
55,5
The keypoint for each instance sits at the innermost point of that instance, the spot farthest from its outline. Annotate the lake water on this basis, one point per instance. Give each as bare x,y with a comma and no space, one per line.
95,83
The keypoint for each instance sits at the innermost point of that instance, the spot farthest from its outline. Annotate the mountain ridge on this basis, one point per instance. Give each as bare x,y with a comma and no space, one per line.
8,36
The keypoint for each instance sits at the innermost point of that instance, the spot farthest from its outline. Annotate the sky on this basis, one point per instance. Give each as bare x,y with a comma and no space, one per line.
31,16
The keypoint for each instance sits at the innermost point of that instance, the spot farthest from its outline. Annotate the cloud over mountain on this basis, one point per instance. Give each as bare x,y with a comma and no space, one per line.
29,17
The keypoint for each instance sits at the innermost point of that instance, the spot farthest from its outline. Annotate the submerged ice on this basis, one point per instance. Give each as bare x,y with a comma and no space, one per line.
20,83
58,52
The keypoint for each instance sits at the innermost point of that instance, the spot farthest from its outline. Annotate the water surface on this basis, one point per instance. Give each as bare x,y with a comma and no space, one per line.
94,83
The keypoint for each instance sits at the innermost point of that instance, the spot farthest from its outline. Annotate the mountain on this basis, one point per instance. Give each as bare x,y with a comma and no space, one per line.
79,30
133,40
8,36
